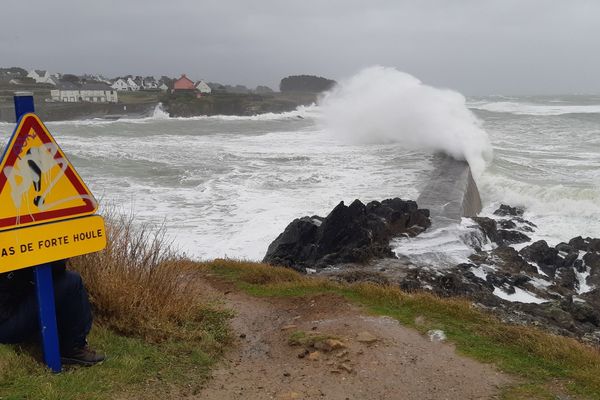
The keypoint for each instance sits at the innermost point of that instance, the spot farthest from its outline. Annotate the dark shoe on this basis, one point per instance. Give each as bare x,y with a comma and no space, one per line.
82,356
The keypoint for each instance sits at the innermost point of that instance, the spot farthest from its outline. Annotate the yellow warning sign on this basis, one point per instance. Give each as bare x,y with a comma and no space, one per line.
37,182
34,245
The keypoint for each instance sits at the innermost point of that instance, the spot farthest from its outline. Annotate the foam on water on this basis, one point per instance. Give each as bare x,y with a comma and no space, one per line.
535,109
229,187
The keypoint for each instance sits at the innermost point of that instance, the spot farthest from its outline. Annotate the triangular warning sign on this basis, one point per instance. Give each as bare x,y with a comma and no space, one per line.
37,182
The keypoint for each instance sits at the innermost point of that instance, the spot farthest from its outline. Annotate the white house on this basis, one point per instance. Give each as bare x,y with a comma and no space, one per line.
149,83
203,87
120,85
42,76
163,87
132,85
96,92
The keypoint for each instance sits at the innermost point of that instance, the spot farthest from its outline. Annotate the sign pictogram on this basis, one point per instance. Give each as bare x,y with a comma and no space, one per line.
37,182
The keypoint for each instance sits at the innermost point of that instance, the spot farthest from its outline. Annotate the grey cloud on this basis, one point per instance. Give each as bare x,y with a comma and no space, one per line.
475,46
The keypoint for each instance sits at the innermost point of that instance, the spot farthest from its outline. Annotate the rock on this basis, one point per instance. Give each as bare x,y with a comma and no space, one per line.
288,327
343,354
566,279
436,335
565,248
509,260
507,224
314,356
505,210
346,367
524,221
585,313
489,227
303,353
588,244
592,260
328,345
546,257
354,233
366,337
291,245
512,237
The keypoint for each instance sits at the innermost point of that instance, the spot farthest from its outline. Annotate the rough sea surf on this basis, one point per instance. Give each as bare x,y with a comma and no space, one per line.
227,186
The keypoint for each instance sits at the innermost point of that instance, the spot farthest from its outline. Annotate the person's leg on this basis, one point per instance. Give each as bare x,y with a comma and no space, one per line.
73,317
23,323
73,311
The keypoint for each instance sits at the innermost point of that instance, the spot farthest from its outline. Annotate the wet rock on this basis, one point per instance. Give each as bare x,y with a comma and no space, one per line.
566,279
507,224
592,260
510,260
505,210
354,233
512,237
546,257
587,244
585,313
489,227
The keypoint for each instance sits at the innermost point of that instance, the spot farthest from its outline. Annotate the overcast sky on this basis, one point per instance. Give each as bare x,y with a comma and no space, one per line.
474,46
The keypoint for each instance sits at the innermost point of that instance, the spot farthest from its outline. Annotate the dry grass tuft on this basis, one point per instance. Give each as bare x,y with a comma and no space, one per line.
140,287
258,274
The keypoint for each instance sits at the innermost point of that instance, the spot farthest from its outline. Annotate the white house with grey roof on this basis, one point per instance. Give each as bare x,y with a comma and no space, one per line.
120,85
92,92
42,76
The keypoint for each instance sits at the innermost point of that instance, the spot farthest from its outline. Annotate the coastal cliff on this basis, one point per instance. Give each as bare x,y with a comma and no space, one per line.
188,105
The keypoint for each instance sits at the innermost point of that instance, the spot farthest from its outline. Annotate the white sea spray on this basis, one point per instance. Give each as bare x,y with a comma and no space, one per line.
384,105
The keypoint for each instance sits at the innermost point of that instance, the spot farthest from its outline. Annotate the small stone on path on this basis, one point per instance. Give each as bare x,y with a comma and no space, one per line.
366,337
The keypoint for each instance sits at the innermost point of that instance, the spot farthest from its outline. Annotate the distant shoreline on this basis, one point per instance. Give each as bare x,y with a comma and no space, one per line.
142,104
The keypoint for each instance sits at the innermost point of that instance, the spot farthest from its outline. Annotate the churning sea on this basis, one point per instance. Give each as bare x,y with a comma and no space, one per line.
227,186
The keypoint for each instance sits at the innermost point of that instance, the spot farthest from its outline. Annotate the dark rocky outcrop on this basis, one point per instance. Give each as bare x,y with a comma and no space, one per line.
349,234
564,278
553,287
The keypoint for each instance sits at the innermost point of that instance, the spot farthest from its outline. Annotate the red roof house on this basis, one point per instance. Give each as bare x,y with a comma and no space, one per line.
184,83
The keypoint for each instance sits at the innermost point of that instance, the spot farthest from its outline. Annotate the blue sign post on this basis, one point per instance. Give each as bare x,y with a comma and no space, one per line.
43,274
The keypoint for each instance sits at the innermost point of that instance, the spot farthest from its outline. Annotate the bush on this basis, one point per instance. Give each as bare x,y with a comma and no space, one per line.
139,286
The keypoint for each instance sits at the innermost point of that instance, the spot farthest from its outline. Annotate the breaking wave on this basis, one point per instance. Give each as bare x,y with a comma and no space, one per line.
384,105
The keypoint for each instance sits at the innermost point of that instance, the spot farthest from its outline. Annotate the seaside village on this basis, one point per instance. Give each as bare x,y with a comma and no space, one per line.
71,88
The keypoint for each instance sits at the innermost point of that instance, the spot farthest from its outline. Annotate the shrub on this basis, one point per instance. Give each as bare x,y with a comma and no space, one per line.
140,286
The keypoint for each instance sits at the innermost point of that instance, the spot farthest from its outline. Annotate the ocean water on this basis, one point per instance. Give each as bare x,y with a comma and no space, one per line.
227,186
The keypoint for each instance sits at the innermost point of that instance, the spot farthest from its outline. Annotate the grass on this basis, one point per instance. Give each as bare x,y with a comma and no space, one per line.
161,334
547,365
135,369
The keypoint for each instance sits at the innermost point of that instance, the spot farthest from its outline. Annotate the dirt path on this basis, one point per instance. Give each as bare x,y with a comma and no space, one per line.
380,359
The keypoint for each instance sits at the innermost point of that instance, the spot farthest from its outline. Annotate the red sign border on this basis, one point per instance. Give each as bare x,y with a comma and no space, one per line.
27,123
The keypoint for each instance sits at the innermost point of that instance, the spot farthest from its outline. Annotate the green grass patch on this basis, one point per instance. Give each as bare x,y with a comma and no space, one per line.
548,365
133,369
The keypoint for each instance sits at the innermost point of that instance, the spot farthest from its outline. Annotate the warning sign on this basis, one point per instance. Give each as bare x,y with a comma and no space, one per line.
22,248
37,182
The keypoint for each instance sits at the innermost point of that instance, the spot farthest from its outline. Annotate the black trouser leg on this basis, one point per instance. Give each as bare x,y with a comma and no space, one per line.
73,314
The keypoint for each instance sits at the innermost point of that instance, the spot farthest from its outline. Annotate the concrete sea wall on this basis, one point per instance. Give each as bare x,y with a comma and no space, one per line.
451,192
